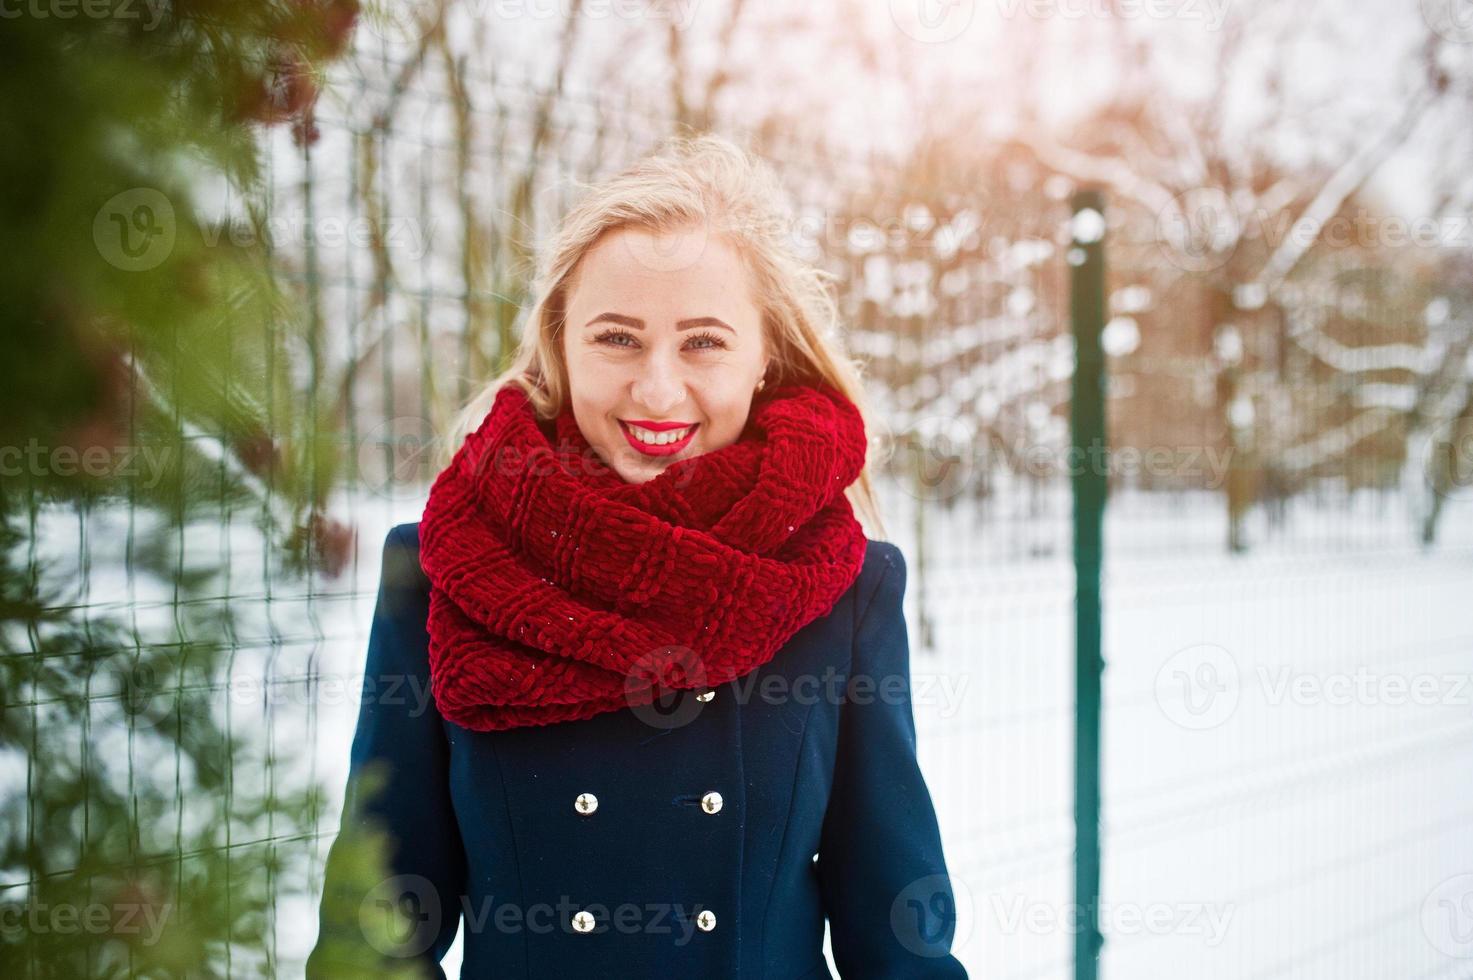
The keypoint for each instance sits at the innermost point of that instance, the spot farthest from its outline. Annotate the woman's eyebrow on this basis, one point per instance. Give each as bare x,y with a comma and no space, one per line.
638,324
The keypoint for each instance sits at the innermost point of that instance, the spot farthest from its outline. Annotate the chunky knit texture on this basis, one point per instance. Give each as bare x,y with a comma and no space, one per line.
559,592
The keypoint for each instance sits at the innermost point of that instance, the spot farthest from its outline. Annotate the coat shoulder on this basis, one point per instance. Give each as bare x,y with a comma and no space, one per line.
401,558
407,533
884,567
880,556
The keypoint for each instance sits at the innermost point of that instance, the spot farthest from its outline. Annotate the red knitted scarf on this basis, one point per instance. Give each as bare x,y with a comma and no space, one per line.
558,591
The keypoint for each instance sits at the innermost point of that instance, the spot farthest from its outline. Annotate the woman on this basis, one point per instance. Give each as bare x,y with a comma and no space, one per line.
663,724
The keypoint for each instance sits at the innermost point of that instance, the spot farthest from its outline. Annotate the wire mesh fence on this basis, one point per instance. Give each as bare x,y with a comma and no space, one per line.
1286,727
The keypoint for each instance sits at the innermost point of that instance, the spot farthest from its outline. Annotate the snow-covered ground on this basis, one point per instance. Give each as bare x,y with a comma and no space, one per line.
1286,755
1287,748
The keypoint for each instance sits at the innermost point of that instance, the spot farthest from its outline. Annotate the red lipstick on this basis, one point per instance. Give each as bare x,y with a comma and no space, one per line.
657,426
669,449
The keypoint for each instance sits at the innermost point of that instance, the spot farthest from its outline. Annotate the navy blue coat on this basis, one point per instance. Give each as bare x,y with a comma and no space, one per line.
823,812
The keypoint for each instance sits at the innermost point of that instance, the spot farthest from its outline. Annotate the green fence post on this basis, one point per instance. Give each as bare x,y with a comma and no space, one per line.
1088,467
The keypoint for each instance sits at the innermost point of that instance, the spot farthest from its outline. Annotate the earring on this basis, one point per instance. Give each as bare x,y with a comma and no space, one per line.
762,384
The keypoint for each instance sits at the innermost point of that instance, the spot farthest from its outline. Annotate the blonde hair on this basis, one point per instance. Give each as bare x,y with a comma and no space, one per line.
710,182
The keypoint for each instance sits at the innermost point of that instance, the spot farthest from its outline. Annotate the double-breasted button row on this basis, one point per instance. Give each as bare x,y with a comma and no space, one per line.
583,920
586,803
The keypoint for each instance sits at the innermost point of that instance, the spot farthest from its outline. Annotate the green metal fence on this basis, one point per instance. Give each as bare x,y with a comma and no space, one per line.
1252,821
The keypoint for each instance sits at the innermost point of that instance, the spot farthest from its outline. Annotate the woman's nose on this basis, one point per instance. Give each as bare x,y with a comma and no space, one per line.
659,388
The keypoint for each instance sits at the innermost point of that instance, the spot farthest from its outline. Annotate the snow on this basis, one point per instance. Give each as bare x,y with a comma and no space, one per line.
1297,827
1302,830
1287,733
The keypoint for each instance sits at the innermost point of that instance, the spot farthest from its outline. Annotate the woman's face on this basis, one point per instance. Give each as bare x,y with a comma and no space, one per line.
664,348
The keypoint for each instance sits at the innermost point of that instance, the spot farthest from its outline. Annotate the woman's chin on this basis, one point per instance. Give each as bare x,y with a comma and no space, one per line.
635,467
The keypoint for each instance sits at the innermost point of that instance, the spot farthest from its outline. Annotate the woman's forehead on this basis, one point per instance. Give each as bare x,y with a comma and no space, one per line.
663,278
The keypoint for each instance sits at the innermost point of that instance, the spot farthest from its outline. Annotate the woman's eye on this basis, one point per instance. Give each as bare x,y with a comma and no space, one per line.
618,338
714,341
613,337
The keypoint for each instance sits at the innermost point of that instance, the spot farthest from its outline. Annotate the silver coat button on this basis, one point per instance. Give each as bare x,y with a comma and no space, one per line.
583,921
711,802
706,921
586,803
706,696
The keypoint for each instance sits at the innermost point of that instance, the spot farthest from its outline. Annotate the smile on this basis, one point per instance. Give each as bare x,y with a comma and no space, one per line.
652,443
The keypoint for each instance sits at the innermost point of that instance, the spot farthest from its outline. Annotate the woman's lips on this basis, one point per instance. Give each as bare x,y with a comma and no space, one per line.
669,449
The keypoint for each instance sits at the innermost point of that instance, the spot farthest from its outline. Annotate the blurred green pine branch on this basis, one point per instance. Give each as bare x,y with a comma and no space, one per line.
151,368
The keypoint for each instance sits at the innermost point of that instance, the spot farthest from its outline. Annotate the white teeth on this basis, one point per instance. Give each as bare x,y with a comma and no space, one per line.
658,438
